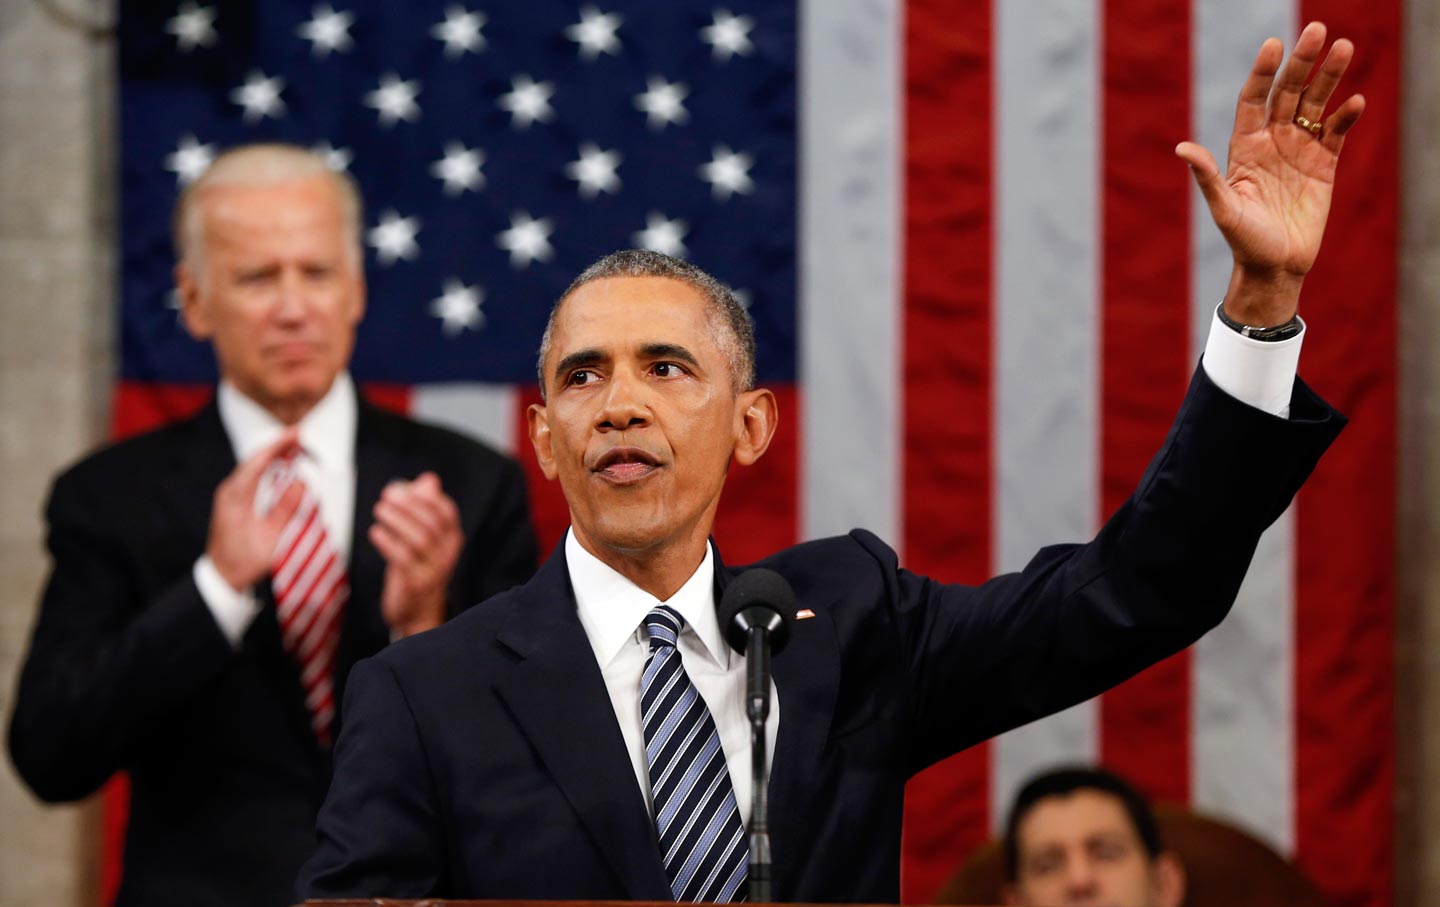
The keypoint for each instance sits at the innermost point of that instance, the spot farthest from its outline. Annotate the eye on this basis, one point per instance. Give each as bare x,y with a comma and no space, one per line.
580,377
668,370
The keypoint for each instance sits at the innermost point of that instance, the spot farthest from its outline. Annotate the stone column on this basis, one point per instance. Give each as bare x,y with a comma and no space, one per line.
56,363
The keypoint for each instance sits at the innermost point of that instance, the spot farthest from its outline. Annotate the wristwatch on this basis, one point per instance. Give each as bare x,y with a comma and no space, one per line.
1279,332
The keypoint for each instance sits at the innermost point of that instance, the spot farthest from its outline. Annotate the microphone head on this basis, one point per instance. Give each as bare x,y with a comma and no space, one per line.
757,597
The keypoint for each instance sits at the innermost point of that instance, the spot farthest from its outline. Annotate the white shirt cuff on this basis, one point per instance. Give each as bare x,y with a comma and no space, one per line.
233,611
1258,372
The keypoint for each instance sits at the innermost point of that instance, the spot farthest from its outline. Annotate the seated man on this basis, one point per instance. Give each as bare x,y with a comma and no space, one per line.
584,736
1083,836
200,641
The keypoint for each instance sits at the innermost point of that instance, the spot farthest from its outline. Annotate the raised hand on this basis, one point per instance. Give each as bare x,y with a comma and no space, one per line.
417,531
1272,202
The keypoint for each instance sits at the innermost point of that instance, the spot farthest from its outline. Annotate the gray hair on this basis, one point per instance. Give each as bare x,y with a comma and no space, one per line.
260,164
734,333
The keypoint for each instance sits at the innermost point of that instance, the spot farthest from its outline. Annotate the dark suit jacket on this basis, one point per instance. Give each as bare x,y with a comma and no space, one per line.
483,759
128,671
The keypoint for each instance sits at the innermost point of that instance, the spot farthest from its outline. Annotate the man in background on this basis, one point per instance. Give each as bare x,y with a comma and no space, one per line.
1084,836
214,581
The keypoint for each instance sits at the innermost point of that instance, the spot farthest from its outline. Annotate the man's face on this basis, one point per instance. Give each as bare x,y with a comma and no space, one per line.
1082,849
641,418
279,293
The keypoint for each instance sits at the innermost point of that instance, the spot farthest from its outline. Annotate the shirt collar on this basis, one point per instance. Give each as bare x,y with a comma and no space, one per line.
612,608
327,432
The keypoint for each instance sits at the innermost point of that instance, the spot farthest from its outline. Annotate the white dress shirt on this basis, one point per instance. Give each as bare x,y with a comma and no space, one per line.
612,611
327,464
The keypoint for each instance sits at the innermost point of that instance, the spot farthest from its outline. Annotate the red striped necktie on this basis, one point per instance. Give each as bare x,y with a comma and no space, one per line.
311,586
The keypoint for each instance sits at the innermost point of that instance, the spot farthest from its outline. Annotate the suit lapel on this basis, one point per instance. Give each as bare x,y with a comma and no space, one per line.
200,460
559,699
807,674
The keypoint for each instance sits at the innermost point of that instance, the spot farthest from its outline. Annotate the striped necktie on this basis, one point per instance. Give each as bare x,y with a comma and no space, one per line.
311,587
701,839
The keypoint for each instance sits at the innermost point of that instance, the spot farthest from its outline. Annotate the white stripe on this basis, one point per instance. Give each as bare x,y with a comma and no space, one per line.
849,356
1047,317
485,412
1242,754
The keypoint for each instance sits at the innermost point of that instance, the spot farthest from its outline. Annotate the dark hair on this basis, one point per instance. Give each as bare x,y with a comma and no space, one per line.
734,333
1067,780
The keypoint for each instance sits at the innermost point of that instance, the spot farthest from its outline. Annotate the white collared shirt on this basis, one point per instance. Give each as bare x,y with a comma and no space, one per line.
612,610
326,463
1258,372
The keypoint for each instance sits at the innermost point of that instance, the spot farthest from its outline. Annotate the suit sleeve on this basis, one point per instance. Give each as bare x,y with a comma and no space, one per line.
501,552
1079,619
104,668
378,834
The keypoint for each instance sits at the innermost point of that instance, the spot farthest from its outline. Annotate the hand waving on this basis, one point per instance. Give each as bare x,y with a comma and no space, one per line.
1272,202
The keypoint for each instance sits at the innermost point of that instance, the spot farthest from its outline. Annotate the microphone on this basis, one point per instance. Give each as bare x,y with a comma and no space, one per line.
755,616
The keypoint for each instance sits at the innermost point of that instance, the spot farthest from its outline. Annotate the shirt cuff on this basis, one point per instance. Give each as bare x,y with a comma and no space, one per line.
233,611
1258,372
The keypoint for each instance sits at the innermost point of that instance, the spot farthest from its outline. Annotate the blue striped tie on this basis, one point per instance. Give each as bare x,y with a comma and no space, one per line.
701,839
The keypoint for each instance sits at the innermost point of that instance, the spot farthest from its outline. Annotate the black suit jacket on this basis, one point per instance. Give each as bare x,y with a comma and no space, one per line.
483,759
127,669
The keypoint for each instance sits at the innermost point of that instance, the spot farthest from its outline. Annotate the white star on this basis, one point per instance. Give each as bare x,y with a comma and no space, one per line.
395,99
459,168
595,33
727,173
189,160
743,297
527,239
327,31
459,308
728,35
193,26
528,101
337,159
595,170
460,31
260,96
394,238
662,102
662,235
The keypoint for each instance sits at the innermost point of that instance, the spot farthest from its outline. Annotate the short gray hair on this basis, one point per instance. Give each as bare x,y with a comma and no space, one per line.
261,164
734,333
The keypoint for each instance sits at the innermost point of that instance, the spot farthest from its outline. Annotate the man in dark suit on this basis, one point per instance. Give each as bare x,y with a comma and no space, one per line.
163,648
546,746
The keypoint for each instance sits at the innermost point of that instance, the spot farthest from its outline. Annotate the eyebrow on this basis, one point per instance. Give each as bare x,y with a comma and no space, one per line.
591,357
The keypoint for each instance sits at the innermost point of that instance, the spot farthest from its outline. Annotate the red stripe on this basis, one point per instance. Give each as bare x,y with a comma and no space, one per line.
1344,731
1145,723
947,375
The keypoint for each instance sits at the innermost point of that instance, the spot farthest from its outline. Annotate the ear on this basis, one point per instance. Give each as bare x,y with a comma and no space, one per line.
539,421
756,415
192,312
359,278
1169,878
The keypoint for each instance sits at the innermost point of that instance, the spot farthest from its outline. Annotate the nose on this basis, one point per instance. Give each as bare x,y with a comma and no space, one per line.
291,297
1080,879
622,406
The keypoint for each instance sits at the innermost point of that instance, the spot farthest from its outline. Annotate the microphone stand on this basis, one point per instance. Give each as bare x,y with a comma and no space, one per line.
757,708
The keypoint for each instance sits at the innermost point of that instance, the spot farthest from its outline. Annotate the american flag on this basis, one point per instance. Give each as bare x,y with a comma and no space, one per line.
980,282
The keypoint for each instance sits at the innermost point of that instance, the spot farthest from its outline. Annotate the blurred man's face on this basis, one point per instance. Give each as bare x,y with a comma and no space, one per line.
1082,849
279,290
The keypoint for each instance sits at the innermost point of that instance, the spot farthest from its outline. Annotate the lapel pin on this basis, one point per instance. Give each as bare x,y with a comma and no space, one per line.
804,614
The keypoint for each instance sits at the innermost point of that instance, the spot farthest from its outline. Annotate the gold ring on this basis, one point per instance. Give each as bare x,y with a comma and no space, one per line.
1312,127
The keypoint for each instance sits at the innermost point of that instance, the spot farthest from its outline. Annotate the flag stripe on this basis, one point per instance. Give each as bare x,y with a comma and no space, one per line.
947,373
849,317
482,411
1243,680
1145,724
1046,323
1345,516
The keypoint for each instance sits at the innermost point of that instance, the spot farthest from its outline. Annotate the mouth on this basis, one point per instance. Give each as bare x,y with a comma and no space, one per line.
626,465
